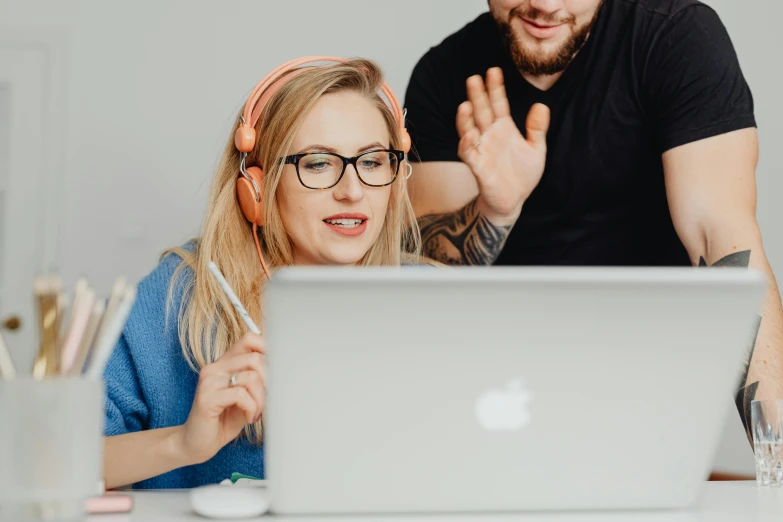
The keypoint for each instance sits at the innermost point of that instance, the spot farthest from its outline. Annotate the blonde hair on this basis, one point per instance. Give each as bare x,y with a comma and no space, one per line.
208,323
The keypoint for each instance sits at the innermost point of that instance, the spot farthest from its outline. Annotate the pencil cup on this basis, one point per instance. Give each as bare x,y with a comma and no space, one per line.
51,446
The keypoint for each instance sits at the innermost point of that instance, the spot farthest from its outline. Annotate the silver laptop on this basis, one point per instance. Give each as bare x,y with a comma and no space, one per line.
424,390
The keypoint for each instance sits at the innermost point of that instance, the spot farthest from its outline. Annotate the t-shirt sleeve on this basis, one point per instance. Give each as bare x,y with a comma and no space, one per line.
431,113
693,81
126,410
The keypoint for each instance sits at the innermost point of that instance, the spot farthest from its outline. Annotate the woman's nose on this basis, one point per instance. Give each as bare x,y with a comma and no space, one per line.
350,187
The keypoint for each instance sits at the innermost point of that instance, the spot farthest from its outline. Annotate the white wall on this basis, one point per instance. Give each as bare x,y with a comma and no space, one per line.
154,85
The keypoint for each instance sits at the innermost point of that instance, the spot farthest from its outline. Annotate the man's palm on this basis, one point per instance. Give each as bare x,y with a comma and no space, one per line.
507,165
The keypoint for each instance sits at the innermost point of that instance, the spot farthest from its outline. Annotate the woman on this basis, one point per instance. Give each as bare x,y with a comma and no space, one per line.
185,381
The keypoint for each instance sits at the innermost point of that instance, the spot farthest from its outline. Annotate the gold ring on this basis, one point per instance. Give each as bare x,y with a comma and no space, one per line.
478,142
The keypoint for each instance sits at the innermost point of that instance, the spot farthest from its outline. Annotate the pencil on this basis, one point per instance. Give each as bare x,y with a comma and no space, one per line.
46,291
88,341
62,313
80,316
110,333
117,292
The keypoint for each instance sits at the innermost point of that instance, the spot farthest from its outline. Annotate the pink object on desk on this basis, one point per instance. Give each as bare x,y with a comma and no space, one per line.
109,503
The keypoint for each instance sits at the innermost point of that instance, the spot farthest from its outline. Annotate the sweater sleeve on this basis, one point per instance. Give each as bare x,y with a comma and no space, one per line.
126,410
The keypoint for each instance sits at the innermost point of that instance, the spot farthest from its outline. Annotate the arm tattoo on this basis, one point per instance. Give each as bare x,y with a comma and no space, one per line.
746,392
735,260
464,237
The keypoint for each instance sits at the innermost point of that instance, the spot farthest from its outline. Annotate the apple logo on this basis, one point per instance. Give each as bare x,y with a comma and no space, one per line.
504,409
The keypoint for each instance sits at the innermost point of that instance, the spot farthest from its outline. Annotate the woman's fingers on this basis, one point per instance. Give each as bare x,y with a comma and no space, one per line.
237,396
242,369
218,375
249,361
254,384
248,343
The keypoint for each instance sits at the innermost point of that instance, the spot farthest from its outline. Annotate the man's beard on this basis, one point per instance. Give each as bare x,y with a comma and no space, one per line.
539,64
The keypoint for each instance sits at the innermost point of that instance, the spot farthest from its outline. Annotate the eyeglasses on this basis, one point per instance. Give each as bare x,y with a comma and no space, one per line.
324,170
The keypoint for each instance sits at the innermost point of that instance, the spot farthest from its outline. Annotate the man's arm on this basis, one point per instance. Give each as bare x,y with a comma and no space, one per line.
464,237
466,210
453,230
439,187
711,188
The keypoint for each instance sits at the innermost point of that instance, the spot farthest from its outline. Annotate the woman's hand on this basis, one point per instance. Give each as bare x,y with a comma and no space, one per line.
221,408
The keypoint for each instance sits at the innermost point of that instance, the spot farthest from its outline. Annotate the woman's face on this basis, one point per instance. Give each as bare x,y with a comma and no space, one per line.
337,225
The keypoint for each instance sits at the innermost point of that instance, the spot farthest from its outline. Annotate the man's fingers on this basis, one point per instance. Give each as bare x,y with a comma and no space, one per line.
482,110
537,125
467,147
497,93
465,120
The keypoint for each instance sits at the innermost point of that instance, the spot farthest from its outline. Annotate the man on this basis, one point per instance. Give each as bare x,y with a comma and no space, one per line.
615,132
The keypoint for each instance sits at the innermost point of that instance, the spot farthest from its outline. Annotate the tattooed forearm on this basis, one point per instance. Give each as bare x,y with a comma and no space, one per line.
464,237
746,391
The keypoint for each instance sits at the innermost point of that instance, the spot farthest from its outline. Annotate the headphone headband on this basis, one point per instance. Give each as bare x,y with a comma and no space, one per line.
245,135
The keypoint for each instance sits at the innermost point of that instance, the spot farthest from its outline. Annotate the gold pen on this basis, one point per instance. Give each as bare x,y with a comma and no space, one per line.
47,290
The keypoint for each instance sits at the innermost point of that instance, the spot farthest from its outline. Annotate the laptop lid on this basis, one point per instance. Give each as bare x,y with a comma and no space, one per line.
499,389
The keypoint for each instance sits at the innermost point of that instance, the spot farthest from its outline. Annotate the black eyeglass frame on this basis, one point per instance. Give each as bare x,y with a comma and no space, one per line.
294,159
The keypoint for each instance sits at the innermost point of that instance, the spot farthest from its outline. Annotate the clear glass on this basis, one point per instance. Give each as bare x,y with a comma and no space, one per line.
767,425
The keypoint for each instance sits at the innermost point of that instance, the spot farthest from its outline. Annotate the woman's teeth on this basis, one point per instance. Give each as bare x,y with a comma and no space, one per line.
348,223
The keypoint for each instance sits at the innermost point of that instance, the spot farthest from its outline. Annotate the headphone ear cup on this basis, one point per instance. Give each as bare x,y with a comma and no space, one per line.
406,141
252,209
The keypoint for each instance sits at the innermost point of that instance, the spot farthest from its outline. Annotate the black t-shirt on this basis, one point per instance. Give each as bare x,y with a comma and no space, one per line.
653,75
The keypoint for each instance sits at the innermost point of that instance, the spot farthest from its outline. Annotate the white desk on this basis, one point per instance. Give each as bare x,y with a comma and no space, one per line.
718,502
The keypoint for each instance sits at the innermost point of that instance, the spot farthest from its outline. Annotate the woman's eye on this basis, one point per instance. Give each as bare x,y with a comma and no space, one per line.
370,164
317,165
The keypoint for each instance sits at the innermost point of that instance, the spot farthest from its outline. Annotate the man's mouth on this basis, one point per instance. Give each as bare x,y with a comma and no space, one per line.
541,25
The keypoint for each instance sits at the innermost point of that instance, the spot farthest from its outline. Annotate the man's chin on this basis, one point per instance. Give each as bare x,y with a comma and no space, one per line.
540,50
539,60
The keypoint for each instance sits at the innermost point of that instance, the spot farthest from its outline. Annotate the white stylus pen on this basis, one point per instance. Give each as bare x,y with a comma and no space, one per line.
233,297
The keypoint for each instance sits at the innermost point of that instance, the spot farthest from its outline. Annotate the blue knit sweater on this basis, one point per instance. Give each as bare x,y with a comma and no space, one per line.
149,384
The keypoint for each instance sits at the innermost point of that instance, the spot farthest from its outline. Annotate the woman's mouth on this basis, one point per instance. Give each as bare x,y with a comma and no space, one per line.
347,225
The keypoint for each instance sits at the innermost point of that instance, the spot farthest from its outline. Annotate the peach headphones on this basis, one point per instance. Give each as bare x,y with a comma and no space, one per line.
249,182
